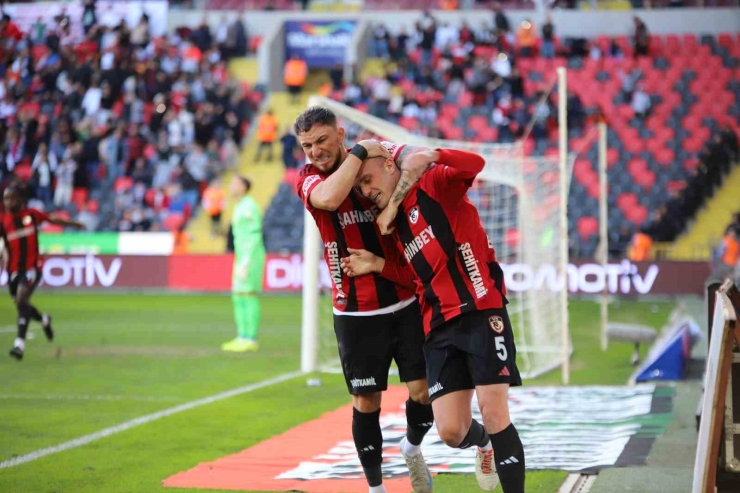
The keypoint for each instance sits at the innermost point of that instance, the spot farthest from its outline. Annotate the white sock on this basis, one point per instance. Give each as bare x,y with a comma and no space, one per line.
377,489
410,449
487,447
19,343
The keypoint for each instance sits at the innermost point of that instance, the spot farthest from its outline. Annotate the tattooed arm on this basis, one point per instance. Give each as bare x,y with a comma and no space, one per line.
413,167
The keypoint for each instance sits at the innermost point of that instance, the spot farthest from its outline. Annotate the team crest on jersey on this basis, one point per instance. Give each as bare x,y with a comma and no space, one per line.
27,220
414,215
497,323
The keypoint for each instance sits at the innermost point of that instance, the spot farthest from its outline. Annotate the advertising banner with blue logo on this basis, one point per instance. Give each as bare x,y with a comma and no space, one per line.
322,44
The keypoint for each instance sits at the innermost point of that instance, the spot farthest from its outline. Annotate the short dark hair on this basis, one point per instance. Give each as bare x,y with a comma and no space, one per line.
12,189
246,182
315,115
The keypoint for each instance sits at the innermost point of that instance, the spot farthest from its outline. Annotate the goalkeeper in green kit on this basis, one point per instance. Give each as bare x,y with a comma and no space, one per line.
249,265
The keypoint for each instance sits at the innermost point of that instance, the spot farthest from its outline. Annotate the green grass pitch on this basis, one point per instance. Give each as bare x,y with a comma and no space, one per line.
118,357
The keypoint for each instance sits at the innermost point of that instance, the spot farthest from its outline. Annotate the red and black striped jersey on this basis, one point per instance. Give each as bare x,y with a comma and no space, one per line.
353,225
20,232
441,236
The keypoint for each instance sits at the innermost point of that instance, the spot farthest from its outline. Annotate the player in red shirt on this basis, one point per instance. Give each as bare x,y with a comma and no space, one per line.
469,340
19,232
376,318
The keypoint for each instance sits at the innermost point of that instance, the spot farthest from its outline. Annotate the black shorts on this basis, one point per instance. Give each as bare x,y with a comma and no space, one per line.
367,345
294,89
475,348
30,278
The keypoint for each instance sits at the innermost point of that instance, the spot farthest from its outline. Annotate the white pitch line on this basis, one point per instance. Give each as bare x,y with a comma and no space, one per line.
84,440
102,397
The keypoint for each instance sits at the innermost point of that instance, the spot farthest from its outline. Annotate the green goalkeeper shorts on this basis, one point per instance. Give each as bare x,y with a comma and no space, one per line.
255,274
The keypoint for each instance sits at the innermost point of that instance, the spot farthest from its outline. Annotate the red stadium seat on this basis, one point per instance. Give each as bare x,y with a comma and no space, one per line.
477,122
666,157
646,179
123,184
626,201
690,164
587,226
637,215
23,172
612,157
79,197
488,134
453,133
408,123
725,40
173,221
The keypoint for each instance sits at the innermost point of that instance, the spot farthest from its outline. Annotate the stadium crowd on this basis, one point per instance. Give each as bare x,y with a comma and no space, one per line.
437,62
121,128
475,73
715,162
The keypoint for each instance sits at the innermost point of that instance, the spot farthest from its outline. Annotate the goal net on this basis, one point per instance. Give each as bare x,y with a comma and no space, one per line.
521,204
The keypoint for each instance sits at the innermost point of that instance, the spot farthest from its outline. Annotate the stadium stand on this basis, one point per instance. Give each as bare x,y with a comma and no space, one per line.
673,106
121,129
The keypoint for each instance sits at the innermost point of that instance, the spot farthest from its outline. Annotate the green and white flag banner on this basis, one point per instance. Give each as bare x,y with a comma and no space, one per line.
577,429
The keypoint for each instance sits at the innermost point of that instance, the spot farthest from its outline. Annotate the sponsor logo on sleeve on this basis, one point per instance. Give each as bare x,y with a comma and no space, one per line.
308,182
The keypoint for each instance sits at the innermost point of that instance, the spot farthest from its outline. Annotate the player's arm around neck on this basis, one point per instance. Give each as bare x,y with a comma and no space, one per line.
412,169
413,162
463,165
329,194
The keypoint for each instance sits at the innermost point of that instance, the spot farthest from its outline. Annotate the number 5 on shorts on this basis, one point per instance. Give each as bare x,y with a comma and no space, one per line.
500,348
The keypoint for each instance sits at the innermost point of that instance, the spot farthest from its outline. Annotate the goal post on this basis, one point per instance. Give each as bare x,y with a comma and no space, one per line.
521,201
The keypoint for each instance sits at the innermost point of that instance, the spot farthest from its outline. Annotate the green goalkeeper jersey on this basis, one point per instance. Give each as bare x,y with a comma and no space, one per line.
247,229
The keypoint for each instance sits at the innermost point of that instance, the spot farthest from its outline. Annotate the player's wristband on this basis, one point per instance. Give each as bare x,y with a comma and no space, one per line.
359,151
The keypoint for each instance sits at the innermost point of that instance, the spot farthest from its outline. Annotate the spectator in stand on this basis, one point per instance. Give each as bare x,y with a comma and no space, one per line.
526,39
296,73
516,84
290,146
381,97
65,173
500,21
214,201
336,75
44,166
427,30
730,142
629,81
615,51
381,42
400,45
9,32
89,219
735,224
640,247
641,38
501,66
267,128
641,102
728,253
548,39
576,111
447,35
